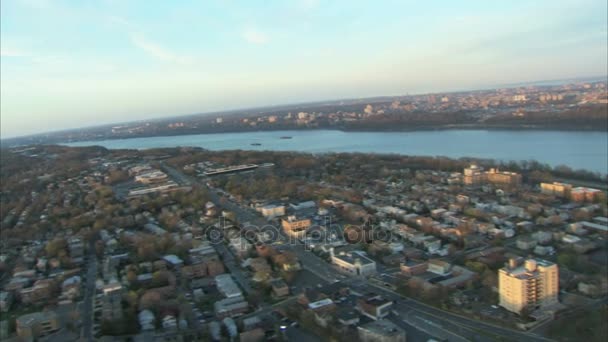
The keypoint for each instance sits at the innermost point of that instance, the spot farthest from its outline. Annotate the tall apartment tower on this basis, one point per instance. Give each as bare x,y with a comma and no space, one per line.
533,284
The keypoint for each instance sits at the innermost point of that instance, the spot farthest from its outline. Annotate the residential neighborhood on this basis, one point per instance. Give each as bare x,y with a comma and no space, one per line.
131,245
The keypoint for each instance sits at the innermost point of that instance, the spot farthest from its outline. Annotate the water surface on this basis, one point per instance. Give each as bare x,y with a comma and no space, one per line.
578,150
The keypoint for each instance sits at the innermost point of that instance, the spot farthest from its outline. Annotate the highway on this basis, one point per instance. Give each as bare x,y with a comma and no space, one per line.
471,329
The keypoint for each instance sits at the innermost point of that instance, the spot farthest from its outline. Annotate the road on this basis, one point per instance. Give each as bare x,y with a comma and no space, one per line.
87,307
471,329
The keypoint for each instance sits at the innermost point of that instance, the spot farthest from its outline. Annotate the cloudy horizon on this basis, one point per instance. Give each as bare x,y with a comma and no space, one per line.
66,65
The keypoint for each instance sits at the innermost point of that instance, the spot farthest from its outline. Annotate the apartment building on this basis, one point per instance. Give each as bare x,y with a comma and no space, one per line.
528,285
474,175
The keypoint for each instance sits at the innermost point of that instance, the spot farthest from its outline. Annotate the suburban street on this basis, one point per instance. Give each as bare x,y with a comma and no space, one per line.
233,267
87,307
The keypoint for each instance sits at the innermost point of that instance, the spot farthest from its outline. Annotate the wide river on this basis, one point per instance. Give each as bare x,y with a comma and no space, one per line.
578,150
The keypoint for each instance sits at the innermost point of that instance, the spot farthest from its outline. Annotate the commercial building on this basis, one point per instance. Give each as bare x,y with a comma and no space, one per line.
374,306
529,285
37,324
354,263
295,227
381,331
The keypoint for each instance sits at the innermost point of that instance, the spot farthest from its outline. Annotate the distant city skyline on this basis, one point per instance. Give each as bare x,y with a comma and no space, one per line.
71,64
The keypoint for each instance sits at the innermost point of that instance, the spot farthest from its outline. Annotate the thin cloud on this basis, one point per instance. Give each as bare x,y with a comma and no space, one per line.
157,51
252,36
12,52
309,4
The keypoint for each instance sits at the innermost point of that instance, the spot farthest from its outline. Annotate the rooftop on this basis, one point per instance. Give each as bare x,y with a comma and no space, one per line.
382,327
353,257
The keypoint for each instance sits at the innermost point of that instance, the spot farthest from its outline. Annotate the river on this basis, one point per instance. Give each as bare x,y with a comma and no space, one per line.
578,150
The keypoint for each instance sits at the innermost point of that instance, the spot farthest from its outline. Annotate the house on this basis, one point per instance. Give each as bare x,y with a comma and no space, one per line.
325,304
439,267
286,260
279,288
173,260
146,320
70,287
230,307
241,246
412,268
250,323
41,291
526,242
169,322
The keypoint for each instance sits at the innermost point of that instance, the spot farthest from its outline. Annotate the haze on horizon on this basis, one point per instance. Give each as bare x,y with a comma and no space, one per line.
68,64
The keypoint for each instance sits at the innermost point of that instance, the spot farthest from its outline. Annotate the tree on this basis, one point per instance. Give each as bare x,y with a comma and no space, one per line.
56,247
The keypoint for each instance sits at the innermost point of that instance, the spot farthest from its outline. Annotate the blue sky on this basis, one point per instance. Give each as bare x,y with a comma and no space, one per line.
76,63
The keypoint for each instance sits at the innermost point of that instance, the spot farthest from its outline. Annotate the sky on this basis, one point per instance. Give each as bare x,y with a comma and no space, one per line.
68,64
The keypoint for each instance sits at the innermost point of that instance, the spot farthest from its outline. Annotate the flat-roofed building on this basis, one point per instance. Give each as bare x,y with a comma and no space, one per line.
581,194
295,227
230,307
412,268
273,210
530,285
439,267
556,189
475,175
374,306
227,286
37,324
151,176
355,263
381,331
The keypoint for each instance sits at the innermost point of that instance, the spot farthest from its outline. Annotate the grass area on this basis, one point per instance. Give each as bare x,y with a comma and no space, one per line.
588,326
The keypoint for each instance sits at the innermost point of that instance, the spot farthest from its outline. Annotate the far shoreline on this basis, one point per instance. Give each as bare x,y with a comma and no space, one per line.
348,129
